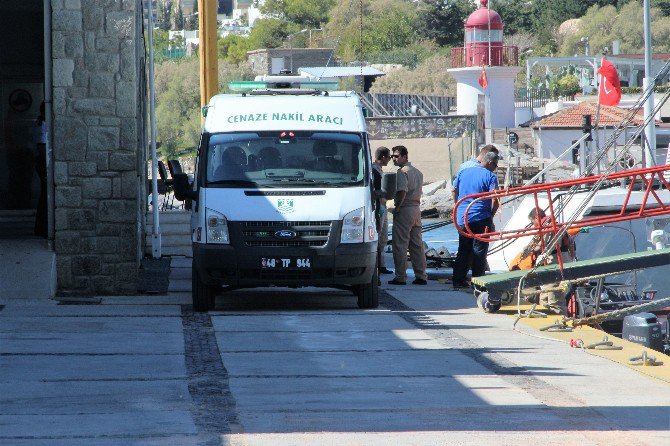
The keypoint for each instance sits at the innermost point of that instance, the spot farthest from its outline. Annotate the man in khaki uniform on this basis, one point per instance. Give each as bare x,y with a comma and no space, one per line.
407,221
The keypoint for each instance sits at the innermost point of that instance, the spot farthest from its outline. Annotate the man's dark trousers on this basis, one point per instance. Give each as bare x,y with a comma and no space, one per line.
469,248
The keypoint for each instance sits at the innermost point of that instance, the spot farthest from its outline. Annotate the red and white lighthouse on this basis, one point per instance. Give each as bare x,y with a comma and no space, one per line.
484,37
485,55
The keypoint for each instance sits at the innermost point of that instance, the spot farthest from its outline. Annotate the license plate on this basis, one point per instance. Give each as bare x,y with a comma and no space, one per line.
286,263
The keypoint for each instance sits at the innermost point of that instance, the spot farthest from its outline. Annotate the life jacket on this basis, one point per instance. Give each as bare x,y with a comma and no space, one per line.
527,257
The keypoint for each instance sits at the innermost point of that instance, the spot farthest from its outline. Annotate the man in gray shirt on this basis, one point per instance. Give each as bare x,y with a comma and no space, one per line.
382,158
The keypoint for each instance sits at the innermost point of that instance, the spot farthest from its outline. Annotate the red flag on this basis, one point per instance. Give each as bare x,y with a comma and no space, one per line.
483,80
610,89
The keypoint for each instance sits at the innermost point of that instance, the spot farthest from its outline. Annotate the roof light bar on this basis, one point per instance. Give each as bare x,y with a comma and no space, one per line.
303,85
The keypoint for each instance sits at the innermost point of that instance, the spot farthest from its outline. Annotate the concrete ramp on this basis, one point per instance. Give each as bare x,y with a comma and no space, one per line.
27,269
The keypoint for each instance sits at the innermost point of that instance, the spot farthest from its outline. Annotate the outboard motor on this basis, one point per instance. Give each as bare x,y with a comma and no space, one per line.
643,329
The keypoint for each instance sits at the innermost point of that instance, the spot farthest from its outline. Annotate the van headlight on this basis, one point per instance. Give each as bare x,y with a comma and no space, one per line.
217,227
352,226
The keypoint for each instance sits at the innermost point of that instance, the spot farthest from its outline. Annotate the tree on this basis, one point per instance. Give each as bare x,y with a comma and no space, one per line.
426,79
233,48
161,44
178,102
178,16
662,5
602,25
192,19
387,25
548,14
565,86
517,15
270,33
306,13
163,15
442,20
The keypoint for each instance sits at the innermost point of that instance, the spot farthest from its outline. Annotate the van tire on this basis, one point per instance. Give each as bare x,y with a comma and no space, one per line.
368,294
203,295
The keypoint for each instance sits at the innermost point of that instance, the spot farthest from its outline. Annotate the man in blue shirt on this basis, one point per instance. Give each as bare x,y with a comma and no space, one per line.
474,162
472,253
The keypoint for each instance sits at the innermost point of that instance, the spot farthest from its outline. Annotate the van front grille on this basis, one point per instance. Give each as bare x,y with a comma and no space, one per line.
295,233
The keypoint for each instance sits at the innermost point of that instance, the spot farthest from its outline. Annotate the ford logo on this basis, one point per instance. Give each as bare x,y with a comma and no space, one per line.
285,233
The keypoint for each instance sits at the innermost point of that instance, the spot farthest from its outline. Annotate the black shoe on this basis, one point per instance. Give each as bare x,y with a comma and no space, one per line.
461,285
385,271
397,282
420,282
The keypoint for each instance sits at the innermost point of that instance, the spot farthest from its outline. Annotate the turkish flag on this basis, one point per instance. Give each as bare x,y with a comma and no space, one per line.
483,80
610,89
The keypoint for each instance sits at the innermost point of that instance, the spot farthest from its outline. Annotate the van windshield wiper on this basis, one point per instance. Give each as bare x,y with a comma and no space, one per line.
296,180
247,183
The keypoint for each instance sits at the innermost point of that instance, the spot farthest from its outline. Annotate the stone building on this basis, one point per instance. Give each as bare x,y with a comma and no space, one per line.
273,60
85,60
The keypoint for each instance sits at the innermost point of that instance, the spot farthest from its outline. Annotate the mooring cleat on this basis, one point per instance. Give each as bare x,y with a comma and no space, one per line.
532,313
605,344
644,360
558,326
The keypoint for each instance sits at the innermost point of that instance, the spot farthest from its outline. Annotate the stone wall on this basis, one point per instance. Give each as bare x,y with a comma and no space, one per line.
97,140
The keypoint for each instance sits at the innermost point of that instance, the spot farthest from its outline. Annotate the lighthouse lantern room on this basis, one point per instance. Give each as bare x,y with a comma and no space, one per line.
484,37
485,55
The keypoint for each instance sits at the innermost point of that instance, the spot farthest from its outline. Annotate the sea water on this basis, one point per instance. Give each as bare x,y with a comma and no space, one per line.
443,237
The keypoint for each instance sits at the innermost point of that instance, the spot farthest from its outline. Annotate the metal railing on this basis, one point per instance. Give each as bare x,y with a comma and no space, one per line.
395,104
531,97
501,56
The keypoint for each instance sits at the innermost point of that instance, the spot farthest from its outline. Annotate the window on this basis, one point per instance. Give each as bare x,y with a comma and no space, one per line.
285,159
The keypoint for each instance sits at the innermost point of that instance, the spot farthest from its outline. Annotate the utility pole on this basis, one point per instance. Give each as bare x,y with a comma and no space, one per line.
209,80
156,248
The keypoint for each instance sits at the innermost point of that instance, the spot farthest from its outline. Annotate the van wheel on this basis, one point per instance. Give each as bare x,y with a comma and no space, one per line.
203,295
368,294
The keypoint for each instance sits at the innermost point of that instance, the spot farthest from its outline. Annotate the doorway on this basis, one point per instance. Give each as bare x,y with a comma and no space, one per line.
22,163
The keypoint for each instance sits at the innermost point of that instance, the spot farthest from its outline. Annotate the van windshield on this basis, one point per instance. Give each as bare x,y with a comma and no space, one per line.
285,159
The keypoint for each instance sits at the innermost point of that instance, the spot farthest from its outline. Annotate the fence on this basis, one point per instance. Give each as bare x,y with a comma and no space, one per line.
443,142
395,104
531,97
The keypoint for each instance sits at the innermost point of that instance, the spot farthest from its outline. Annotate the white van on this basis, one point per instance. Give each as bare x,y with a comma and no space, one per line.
282,194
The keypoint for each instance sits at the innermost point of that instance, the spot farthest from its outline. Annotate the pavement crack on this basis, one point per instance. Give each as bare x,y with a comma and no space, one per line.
214,407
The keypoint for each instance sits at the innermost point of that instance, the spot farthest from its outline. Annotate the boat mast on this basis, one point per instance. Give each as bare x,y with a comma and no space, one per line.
648,83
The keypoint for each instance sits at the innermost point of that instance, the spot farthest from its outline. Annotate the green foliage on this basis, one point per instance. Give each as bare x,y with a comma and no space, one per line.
567,85
233,48
163,15
517,15
161,44
429,78
638,90
442,20
308,13
191,22
662,5
270,33
410,55
178,102
548,14
387,25
178,17
602,25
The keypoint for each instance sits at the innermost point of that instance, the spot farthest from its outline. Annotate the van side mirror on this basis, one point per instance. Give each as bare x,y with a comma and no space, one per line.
388,185
183,189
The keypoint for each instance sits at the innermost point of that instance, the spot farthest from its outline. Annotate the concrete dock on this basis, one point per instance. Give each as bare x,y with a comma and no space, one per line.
298,367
